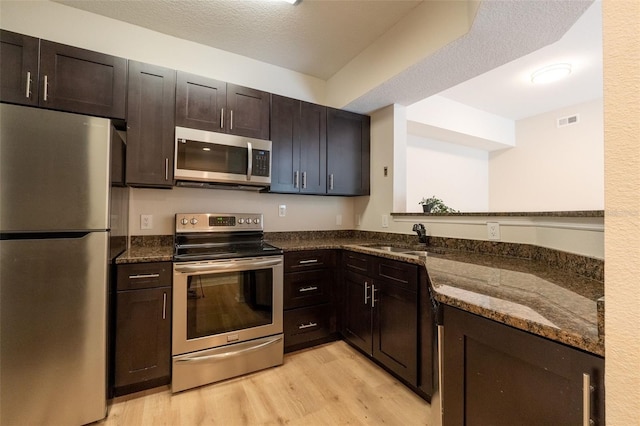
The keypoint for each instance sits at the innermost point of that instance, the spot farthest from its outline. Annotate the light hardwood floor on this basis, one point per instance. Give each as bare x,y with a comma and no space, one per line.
331,384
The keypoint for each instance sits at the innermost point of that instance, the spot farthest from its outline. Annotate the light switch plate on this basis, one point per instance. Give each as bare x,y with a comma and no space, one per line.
282,210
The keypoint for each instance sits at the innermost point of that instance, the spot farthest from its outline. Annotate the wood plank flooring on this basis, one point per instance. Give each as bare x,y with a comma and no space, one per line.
331,384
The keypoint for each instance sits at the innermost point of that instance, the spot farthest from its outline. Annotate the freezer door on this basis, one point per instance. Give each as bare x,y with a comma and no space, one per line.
54,169
53,299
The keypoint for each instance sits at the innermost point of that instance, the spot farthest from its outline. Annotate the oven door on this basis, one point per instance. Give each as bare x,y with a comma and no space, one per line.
221,302
222,158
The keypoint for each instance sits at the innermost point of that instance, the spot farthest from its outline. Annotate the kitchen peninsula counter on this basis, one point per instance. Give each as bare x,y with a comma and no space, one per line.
526,294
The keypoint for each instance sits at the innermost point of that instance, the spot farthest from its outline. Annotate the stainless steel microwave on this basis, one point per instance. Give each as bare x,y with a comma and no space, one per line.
220,158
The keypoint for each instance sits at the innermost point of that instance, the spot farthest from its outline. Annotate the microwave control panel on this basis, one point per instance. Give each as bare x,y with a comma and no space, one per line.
261,162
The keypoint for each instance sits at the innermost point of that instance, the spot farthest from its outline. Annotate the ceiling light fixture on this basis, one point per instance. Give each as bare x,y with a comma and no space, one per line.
293,2
551,73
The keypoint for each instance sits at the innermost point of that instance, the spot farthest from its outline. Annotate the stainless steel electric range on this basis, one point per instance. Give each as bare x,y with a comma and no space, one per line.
227,298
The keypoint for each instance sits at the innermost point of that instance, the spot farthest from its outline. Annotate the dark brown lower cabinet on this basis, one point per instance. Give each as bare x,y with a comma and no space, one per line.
142,351
309,306
380,315
494,374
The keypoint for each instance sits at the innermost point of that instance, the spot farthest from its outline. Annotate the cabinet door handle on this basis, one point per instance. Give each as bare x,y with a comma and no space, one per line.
440,345
304,180
304,262
310,288
222,118
366,292
166,168
303,326
373,295
331,181
164,305
231,120
28,92
296,180
586,400
46,87
141,276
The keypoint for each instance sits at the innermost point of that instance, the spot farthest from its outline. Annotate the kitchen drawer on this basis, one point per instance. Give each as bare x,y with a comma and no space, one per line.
357,262
307,324
135,276
308,259
307,288
402,274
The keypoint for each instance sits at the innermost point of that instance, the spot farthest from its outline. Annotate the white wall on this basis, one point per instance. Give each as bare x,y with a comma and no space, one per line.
621,35
442,119
456,174
551,168
303,212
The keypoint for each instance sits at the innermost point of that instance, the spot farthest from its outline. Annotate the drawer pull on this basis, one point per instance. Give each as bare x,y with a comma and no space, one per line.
142,276
311,324
310,288
305,262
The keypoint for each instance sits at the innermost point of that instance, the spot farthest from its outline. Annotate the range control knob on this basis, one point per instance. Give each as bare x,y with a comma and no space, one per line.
184,221
193,221
241,221
256,220
249,221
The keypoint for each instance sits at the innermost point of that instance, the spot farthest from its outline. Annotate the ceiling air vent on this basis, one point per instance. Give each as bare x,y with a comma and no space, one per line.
567,121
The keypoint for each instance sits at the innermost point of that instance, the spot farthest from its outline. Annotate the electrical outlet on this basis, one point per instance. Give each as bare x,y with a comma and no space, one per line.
282,210
385,221
146,221
493,230
338,219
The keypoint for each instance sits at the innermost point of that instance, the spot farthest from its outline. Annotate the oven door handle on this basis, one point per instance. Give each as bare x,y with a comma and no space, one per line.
227,266
221,355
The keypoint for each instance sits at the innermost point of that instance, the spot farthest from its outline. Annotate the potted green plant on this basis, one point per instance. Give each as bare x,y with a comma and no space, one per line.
435,205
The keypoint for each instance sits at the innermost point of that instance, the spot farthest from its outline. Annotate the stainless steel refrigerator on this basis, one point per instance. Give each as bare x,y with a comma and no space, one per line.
54,250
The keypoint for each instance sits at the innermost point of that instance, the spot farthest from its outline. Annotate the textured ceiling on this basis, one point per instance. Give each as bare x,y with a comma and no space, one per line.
315,37
319,37
502,32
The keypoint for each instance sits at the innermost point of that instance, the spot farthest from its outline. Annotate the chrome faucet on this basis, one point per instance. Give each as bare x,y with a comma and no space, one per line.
419,229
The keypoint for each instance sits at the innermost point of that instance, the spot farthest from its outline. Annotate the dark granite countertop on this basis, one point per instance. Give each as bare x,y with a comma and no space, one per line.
141,254
529,295
575,213
524,294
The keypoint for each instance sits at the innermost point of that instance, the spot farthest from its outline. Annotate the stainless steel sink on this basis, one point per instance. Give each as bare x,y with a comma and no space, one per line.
401,250
417,253
390,248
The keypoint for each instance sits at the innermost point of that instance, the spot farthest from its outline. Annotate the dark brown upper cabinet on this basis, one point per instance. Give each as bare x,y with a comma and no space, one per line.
150,125
67,78
19,68
348,153
299,137
208,104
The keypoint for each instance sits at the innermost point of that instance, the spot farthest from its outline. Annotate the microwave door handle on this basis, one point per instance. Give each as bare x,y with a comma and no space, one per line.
249,160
